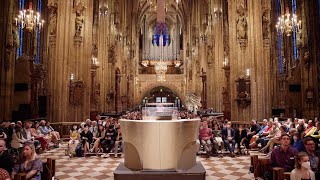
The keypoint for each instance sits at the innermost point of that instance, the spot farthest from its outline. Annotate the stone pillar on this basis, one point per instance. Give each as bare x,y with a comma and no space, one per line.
247,52
9,36
69,53
118,103
204,89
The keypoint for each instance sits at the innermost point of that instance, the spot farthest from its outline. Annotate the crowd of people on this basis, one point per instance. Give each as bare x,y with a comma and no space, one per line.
19,143
291,144
95,136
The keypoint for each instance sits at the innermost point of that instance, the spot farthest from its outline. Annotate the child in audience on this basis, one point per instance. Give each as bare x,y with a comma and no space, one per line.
74,140
302,169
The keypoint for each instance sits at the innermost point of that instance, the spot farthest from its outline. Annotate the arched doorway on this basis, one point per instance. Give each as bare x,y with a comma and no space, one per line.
162,94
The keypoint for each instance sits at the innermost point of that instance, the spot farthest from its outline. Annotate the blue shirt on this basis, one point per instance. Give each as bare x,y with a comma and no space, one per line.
263,128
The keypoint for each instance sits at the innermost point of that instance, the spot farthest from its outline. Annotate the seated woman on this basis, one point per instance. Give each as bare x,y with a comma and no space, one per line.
109,140
17,139
74,141
86,138
38,136
275,140
99,137
303,170
217,138
30,163
53,133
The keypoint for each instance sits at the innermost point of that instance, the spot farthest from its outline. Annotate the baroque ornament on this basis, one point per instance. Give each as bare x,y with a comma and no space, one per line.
76,94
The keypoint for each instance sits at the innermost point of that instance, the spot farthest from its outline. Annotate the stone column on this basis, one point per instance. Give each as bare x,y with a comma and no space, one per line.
247,52
204,89
69,53
10,37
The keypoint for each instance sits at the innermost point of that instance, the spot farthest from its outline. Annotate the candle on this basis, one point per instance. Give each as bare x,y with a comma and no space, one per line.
71,77
248,72
16,22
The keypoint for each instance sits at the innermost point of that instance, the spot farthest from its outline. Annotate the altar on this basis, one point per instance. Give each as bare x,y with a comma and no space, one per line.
164,148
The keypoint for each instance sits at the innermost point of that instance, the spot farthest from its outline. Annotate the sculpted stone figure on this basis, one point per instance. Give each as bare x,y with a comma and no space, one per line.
53,21
265,24
79,23
242,26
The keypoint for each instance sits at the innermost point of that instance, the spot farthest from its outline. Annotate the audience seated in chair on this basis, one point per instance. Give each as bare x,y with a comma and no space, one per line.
284,155
98,138
217,138
29,163
303,170
275,140
74,141
6,159
313,155
228,136
205,134
86,139
241,139
109,139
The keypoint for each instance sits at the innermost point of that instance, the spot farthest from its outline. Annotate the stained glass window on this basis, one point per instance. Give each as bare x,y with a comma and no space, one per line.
280,58
161,30
37,57
295,48
20,32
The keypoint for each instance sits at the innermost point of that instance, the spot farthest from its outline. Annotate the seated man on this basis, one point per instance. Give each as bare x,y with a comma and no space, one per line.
284,155
310,149
205,135
228,136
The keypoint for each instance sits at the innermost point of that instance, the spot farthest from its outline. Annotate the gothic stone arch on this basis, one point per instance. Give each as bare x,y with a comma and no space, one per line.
149,87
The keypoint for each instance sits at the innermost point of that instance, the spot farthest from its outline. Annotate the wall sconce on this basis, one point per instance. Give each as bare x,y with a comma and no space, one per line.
248,73
71,77
226,64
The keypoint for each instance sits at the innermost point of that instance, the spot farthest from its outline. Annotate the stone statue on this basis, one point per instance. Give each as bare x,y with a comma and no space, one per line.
265,24
210,55
241,26
15,36
53,21
79,23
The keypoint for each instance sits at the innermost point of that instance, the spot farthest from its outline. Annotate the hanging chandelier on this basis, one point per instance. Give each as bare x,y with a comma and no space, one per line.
161,66
29,19
288,23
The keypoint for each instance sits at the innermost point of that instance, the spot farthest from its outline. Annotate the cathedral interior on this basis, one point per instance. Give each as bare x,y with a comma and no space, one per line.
69,60
86,57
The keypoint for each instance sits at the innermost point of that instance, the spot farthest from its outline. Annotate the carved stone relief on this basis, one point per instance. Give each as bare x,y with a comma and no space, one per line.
111,54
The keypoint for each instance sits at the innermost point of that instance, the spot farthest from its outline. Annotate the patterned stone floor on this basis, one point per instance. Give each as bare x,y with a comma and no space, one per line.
102,168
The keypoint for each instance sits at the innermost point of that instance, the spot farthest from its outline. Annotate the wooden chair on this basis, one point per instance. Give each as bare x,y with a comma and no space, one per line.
261,165
49,169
